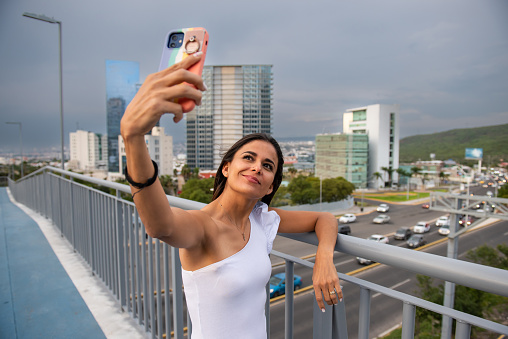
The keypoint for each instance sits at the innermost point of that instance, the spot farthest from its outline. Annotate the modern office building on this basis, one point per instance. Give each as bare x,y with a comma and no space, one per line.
238,102
122,78
160,148
381,124
343,155
89,151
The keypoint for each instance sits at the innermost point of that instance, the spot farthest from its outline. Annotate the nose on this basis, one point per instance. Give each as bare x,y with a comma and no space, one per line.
256,167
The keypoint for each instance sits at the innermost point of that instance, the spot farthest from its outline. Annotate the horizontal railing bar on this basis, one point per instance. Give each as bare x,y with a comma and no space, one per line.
470,319
293,259
464,273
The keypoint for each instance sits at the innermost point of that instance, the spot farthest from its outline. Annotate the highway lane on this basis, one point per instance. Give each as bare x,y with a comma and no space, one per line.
385,312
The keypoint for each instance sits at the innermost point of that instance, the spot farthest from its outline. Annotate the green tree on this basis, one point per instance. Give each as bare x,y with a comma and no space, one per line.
377,176
302,191
168,184
468,300
336,189
292,171
186,172
503,192
198,190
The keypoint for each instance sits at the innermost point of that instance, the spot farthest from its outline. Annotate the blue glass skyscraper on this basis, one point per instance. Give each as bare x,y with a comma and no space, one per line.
122,78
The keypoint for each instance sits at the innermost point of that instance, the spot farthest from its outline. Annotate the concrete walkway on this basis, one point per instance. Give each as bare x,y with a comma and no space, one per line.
37,297
46,289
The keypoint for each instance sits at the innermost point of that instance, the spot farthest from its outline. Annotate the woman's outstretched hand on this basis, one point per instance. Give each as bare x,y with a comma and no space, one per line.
158,95
326,281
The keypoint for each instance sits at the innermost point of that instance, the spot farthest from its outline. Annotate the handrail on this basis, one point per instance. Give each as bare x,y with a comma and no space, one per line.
106,230
465,273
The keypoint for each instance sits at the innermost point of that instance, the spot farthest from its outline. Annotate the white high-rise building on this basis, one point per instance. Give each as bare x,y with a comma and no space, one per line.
160,148
89,151
381,123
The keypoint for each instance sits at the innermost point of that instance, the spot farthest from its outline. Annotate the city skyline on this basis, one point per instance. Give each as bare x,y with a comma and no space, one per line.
443,63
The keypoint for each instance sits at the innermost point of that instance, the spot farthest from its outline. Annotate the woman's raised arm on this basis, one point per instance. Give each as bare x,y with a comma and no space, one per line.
157,96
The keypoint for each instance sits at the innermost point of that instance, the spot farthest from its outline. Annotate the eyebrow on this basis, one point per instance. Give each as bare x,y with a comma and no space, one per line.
255,154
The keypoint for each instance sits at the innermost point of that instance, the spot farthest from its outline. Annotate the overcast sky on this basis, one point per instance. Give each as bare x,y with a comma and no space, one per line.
444,62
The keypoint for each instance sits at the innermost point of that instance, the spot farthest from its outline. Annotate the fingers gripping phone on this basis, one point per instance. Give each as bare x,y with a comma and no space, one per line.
179,44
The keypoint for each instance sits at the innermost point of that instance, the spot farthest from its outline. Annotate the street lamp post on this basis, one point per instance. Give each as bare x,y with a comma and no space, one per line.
20,142
53,21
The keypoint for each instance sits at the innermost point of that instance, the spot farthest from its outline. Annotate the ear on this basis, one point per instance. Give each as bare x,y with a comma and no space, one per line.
270,190
225,169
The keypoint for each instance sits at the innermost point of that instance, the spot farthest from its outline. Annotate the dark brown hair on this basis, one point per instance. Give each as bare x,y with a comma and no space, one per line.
220,179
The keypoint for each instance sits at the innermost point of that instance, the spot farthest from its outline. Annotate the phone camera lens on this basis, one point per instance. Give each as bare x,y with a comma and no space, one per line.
172,45
174,37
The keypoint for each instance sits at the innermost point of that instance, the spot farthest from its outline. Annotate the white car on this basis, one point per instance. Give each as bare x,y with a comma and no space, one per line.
347,218
383,208
444,230
442,221
375,237
381,219
421,227
378,238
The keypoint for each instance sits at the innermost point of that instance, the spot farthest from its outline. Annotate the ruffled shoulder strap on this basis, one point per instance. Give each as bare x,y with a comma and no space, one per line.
268,221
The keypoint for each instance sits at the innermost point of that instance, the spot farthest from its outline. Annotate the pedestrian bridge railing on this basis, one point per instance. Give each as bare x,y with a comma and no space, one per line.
106,231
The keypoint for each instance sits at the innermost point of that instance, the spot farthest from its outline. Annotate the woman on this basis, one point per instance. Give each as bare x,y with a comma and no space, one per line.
224,247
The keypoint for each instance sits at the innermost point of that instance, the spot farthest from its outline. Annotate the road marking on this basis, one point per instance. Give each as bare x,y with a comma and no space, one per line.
393,287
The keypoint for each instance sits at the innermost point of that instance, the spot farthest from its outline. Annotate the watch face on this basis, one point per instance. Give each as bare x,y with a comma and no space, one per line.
192,46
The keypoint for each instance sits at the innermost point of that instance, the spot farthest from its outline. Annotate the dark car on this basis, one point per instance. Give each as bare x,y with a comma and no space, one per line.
344,229
416,240
403,233
465,220
278,284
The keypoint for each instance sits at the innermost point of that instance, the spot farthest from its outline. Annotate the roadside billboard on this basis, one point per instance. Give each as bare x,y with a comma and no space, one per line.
474,153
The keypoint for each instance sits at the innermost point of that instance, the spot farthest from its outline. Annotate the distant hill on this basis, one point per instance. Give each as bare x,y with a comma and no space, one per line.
452,144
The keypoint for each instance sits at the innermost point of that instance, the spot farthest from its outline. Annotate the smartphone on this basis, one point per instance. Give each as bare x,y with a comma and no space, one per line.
179,44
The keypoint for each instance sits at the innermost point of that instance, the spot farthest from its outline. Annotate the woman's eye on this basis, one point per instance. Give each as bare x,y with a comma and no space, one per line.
268,166
247,157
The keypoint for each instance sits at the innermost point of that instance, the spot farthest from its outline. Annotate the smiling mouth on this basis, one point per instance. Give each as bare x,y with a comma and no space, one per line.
252,179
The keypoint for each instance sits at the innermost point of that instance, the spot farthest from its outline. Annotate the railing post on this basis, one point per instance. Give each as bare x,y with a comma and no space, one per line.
267,310
176,268
364,316
463,330
289,302
339,326
120,250
408,321
71,199
322,325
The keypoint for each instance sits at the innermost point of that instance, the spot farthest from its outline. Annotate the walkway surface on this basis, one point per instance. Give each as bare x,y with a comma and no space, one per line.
37,297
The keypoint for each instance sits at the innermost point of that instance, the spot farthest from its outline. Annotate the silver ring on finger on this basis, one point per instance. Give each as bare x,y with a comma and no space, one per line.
332,292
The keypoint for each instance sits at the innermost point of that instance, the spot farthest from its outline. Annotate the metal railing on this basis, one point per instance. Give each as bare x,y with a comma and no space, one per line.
107,232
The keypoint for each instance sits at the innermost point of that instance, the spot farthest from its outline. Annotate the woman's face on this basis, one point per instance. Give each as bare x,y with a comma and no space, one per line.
252,170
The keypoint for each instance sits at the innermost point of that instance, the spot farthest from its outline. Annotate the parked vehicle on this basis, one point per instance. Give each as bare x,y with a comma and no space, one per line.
416,240
375,237
347,218
444,230
383,208
426,205
421,227
403,233
278,284
381,219
442,221
344,229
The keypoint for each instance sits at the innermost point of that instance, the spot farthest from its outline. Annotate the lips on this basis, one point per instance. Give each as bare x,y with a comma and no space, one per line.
252,179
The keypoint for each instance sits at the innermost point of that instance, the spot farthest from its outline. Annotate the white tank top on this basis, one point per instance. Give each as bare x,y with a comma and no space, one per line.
227,299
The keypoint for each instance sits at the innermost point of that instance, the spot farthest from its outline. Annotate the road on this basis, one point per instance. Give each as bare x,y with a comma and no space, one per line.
385,312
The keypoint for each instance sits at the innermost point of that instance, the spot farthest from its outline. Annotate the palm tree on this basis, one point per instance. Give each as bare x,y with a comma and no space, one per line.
377,176
385,169
415,171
